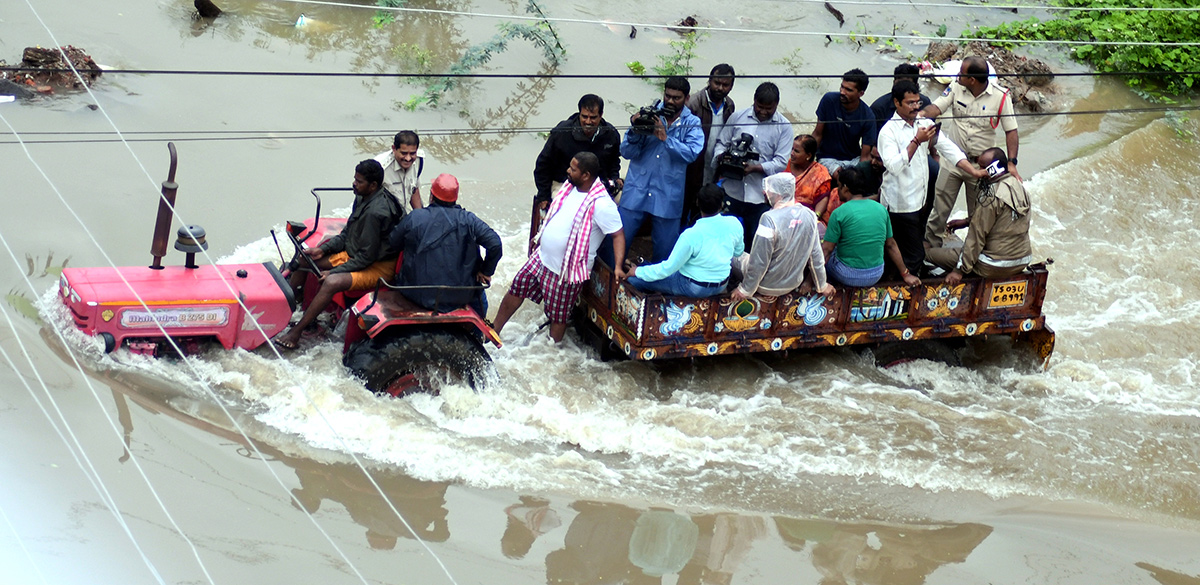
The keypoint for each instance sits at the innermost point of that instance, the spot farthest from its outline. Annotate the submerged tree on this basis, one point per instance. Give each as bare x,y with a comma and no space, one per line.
1156,68
541,34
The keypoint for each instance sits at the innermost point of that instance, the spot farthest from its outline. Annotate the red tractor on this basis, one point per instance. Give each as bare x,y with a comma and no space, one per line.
395,346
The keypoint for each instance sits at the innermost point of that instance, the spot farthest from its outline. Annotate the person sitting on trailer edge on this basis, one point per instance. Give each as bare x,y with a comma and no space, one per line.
787,248
580,215
699,263
359,256
859,234
997,244
440,243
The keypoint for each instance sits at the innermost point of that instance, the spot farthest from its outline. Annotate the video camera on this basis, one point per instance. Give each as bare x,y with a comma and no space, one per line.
643,121
732,163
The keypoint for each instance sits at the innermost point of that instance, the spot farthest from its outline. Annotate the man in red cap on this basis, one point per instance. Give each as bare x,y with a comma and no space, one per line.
580,215
359,256
440,243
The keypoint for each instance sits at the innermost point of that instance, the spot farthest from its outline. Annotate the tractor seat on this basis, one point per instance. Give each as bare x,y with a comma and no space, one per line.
349,297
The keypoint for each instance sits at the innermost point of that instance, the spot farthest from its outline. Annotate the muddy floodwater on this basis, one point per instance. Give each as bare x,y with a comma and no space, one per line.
238,467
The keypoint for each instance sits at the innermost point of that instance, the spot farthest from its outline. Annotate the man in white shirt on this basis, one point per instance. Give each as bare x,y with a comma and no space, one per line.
581,213
904,146
402,169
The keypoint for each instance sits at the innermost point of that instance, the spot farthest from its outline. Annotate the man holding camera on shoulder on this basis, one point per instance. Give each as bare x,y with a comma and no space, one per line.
661,142
741,167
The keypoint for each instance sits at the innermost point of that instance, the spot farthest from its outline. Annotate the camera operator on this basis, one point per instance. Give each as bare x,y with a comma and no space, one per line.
660,143
741,173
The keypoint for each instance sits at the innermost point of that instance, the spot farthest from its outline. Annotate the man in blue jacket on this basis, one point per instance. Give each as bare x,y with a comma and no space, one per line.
440,243
659,157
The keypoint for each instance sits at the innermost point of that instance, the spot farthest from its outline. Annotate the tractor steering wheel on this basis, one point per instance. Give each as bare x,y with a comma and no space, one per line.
312,264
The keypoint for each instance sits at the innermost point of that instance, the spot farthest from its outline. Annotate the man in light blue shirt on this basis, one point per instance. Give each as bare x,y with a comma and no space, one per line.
772,135
700,263
658,162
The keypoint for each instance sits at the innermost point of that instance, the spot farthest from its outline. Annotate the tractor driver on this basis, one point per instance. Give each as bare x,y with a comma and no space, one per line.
359,256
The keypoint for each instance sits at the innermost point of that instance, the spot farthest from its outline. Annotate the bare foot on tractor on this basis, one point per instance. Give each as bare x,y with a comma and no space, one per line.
290,340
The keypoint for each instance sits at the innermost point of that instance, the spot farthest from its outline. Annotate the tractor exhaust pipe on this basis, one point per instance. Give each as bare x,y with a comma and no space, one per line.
166,206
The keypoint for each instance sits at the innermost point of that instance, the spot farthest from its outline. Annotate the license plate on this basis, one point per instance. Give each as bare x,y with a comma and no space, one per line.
1007,294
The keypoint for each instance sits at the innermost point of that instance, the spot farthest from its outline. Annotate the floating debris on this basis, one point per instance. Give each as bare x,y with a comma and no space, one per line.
685,26
836,14
207,9
45,69
1020,75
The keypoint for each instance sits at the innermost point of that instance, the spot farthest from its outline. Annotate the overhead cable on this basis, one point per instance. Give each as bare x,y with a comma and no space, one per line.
404,75
204,384
986,5
730,29
316,408
241,135
80,456
191,366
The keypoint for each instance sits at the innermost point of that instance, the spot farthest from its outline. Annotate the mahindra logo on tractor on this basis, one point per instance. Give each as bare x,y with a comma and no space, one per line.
176,317
250,322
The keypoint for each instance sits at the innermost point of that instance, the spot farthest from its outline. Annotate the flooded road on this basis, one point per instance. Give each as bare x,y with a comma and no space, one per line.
820,469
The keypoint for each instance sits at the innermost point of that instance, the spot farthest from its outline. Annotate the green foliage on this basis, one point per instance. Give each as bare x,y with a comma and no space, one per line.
677,62
680,61
541,34
413,58
792,62
860,35
383,18
21,303
941,31
1151,27
1181,125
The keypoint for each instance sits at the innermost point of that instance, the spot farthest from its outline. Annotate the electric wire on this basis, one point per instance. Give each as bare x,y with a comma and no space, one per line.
242,135
135,459
204,384
733,29
8,522
406,75
970,5
264,333
249,314
162,330
102,489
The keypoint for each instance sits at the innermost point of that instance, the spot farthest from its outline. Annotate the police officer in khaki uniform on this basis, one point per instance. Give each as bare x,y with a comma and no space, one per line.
977,107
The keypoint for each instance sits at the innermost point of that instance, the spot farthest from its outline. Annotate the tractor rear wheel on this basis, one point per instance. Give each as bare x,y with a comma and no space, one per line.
898,352
419,361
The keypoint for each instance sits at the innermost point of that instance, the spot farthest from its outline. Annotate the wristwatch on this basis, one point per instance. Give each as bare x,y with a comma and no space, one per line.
1013,160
